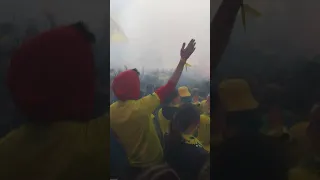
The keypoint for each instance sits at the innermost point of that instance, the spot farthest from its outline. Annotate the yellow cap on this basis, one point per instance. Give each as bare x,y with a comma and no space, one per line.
236,95
184,91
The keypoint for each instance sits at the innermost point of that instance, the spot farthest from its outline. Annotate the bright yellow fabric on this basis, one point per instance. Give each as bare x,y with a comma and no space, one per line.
184,91
302,174
133,124
301,146
236,95
60,151
163,122
204,107
204,131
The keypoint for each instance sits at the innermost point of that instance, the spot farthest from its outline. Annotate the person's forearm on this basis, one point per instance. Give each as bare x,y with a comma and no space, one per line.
177,73
165,90
221,28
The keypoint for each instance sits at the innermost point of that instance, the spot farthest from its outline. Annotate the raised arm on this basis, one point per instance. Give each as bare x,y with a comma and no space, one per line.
221,28
185,53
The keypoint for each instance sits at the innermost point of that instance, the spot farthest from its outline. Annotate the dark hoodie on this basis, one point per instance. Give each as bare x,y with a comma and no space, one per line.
51,79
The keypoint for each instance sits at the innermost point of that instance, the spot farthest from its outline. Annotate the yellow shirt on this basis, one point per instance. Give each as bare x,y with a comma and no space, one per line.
133,124
301,145
164,123
60,151
204,131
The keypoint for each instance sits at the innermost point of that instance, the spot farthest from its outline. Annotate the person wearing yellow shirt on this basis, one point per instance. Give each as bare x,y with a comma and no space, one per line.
204,127
52,82
244,147
204,131
131,116
308,168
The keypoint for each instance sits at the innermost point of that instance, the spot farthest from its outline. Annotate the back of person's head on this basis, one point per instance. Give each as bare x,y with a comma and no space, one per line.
83,28
126,85
185,120
51,76
195,92
158,172
187,116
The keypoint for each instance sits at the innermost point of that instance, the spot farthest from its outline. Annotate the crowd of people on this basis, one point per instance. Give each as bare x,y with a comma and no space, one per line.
72,131
167,125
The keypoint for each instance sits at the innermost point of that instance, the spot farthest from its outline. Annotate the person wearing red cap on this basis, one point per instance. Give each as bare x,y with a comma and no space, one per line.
131,116
52,82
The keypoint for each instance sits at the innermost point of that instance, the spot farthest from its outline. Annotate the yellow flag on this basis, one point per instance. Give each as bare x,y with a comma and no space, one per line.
187,65
245,8
118,37
248,9
116,33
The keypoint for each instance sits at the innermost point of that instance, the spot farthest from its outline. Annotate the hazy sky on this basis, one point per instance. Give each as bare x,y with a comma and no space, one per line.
156,30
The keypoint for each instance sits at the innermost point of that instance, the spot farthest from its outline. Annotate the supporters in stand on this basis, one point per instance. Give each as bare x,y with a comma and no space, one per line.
131,117
52,83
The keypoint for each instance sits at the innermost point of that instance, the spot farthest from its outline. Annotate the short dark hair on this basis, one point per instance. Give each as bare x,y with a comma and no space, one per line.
83,28
186,115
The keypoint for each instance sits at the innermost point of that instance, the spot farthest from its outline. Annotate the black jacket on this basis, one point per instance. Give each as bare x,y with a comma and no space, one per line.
186,159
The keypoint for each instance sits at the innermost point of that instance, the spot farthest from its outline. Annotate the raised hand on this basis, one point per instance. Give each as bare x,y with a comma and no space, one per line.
186,52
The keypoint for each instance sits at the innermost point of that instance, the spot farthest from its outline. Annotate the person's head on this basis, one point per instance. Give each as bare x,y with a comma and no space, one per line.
126,85
185,94
172,99
195,92
51,76
186,119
